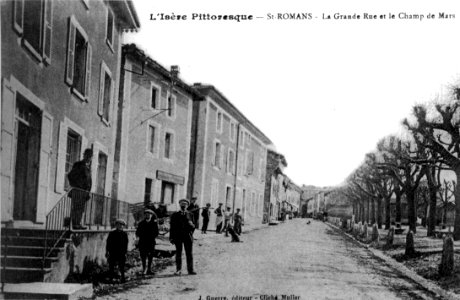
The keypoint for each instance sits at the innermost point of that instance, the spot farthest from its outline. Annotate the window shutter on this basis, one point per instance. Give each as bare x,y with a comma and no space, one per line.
47,31
112,88
100,107
7,146
62,152
88,71
45,153
18,17
70,52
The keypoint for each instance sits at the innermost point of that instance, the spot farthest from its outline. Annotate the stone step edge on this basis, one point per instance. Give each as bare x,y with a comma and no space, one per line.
430,286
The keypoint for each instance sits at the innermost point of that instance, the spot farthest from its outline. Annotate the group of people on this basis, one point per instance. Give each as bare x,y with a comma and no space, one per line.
183,223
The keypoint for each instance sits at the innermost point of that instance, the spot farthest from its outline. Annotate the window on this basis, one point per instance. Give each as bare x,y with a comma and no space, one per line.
217,154
78,66
262,170
214,192
249,163
105,93
228,196
72,154
240,163
232,131
241,142
148,190
32,21
151,139
171,105
101,173
231,162
168,145
110,26
219,122
154,96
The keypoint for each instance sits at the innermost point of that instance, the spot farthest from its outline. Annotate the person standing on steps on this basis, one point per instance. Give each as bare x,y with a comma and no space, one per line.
80,179
181,235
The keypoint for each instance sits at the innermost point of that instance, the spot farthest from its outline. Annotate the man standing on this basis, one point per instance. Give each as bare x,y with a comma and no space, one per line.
80,179
238,221
206,215
219,218
116,248
195,210
180,233
227,218
146,232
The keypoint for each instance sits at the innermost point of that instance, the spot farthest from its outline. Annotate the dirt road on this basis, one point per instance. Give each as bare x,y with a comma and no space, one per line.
294,260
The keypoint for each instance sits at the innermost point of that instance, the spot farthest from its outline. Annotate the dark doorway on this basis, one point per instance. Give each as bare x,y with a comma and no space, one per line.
28,130
167,192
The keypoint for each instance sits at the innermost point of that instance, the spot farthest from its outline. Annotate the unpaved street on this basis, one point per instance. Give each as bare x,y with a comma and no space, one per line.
294,259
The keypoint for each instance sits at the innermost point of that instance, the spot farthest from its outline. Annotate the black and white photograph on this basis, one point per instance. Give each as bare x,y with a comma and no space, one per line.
230,150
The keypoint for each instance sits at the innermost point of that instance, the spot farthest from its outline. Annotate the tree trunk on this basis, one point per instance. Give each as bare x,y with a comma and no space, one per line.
368,218
398,207
411,211
457,206
379,213
387,213
432,211
373,211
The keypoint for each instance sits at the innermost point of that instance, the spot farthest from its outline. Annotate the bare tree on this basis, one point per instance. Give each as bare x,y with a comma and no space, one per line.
441,135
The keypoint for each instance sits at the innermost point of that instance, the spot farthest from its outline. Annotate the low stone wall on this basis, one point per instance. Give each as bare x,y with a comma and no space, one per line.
85,250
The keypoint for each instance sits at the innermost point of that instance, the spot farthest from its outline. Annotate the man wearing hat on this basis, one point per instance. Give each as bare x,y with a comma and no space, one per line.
195,210
146,233
180,233
116,248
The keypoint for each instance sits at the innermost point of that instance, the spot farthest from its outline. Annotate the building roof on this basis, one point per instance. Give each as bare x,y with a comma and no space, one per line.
126,13
211,91
135,53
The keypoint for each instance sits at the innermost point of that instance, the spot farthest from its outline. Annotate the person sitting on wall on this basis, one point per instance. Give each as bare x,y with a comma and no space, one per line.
116,249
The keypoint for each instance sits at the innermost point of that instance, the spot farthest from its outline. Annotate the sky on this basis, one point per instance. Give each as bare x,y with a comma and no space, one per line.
323,90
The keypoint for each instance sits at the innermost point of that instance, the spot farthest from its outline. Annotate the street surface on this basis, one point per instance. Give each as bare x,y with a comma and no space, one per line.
293,259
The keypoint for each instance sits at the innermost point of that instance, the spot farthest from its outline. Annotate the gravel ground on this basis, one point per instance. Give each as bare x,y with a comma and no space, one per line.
293,259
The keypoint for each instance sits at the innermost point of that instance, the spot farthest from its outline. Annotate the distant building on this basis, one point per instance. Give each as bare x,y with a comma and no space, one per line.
154,129
274,185
228,157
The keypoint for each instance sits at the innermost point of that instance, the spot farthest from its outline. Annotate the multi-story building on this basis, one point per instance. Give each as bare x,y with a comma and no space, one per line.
155,119
228,157
293,194
274,185
60,66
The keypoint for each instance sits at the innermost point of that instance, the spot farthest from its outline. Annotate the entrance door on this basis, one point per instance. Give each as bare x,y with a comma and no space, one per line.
28,131
167,192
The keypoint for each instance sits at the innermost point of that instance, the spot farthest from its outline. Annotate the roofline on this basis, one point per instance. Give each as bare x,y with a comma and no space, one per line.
137,53
203,88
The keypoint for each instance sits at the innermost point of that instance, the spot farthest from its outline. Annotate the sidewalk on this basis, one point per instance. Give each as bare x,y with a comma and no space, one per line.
423,244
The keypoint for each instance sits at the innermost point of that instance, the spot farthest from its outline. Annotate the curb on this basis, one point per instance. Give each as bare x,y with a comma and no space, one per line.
425,283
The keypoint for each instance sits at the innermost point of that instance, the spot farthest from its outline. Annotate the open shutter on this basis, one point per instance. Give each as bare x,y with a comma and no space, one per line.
62,149
100,107
112,88
88,71
70,52
45,154
6,145
18,17
47,31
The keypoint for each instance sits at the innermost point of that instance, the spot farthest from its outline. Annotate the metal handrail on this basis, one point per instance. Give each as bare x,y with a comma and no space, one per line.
80,210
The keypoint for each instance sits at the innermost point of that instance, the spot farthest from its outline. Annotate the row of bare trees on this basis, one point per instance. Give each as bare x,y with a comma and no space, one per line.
412,166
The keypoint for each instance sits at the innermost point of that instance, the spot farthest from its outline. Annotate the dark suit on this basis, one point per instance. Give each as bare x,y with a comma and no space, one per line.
80,178
116,248
181,233
147,232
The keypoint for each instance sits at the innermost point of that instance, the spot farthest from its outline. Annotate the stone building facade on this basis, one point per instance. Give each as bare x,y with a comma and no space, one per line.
274,185
60,75
228,157
155,119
